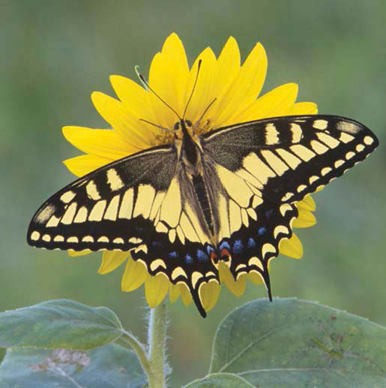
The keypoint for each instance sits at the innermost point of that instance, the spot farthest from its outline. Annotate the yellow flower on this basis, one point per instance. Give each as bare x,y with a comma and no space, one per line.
235,89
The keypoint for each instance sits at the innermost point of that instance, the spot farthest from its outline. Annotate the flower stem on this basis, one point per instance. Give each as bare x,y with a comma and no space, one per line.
139,349
156,346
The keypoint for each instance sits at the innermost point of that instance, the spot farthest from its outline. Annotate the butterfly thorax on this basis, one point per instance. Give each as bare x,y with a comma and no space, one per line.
189,148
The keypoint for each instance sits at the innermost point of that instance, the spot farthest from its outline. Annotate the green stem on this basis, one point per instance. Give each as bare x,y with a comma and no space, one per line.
156,346
139,349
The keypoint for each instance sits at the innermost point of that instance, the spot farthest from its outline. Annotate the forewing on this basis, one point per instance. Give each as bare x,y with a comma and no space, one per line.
112,208
291,156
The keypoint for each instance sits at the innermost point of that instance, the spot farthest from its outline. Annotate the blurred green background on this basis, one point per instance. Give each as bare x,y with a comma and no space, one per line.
55,53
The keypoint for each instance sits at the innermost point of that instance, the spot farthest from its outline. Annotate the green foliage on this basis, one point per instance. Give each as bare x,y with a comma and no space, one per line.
59,324
297,343
289,343
110,366
220,380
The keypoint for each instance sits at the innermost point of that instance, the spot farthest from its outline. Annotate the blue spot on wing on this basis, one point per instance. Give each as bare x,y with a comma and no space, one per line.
225,245
188,259
261,230
202,256
209,249
238,246
173,255
251,242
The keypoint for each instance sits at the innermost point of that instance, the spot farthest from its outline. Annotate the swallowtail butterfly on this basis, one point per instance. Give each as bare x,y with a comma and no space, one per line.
227,195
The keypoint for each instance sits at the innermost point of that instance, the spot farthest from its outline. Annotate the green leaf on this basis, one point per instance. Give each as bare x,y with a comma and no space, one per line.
110,366
220,380
295,343
59,324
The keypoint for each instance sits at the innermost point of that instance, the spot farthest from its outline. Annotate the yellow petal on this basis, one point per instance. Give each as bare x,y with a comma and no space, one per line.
84,164
177,72
277,102
209,293
112,260
244,89
305,219
168,77
204,93
156,288
73,253
163,114
304,108
101,142
174,292
255,278
133,96
307,203
134,276
185,294
292,247
236,287
228,67
127,126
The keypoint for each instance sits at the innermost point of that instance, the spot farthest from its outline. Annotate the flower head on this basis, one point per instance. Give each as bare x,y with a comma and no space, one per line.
235,90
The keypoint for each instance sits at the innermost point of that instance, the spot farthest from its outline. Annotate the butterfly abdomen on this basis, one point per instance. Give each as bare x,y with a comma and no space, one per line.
203,199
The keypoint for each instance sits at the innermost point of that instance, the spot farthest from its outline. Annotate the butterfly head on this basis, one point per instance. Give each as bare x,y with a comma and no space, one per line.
183,128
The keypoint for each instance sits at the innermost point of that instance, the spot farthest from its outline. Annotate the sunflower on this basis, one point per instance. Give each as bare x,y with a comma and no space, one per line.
234,88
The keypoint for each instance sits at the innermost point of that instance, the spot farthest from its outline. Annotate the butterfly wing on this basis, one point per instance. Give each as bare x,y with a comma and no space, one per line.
264,167
144,204
110,208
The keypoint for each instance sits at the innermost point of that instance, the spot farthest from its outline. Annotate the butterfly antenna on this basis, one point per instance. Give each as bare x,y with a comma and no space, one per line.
156,125
194,87
142,78
206,110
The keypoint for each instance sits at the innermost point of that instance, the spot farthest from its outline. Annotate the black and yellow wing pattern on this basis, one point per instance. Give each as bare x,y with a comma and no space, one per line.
236,210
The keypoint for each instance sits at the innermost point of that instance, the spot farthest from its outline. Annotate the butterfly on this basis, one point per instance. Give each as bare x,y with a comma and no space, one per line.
226,196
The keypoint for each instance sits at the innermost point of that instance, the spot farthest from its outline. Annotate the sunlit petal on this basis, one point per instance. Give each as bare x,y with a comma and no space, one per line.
73,253
101,142
245,88
186,296
174,292
204,93
156,288
275,103
303,108
255,277
134,97
307,203
292,247
228,67
134,276
127,126
84,164
237,287
209,293
112,260
305,219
